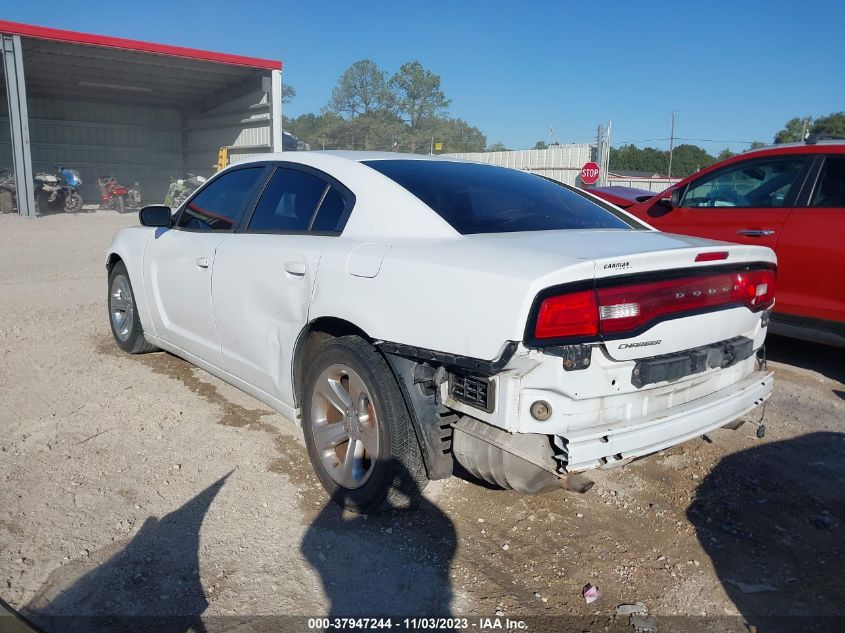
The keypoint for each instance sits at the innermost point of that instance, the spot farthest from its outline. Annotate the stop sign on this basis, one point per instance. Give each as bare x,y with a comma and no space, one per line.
589,173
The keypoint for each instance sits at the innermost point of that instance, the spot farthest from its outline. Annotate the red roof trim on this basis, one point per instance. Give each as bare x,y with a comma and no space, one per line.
73,37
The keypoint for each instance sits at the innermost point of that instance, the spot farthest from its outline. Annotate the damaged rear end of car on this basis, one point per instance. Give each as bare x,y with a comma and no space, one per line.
655,349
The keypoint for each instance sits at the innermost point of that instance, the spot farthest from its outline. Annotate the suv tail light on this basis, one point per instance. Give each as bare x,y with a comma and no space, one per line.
629,307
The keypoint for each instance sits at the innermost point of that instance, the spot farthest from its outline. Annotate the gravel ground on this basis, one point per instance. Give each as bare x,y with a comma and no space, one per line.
143,486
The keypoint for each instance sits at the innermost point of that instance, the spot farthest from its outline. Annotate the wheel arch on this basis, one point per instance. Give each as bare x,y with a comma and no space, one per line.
431,427
308,342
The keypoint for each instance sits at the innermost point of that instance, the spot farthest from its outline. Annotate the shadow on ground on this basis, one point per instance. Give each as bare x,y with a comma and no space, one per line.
772,519
151,584
823,359
396,563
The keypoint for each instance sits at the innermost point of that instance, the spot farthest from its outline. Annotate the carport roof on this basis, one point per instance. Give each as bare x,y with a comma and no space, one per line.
59,63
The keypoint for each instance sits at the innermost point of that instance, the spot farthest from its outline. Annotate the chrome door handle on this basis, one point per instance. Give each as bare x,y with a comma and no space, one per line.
202,262
755,232
297,269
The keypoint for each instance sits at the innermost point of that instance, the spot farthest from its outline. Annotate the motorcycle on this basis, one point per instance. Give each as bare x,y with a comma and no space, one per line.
133,196
8,191
181,189
113,195
58,191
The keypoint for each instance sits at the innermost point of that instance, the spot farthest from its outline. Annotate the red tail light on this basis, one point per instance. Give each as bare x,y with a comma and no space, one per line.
626,308
573,314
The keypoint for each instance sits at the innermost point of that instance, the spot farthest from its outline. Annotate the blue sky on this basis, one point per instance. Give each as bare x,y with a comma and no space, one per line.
733,71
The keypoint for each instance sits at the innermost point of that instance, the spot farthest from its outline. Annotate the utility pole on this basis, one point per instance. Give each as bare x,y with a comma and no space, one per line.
671,144
431,151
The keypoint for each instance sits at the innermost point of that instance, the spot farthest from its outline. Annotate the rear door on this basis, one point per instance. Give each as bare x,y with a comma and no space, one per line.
745,202
178,263
812,247
264,275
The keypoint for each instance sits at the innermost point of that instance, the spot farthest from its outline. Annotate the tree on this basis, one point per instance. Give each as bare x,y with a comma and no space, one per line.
498,146
688,159
540,145
794,129
831,125
417,93
725,154
361,90
757,144
288,93
456,134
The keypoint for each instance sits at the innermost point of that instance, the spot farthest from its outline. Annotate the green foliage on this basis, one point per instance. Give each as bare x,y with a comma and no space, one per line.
686,159
793,130
288,93
498,146
361,90
404,114
831,125
540,145
725,154
417,94
757,144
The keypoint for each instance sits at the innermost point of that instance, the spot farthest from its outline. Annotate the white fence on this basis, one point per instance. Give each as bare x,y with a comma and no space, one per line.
561,162
650,184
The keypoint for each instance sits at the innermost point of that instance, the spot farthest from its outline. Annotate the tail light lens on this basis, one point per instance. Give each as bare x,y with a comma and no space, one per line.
625,308
572,314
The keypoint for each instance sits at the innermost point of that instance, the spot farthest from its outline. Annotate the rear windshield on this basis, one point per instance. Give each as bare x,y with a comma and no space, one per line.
477,198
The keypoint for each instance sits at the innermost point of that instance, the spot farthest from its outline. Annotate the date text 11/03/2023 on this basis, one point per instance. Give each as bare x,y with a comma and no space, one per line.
414,624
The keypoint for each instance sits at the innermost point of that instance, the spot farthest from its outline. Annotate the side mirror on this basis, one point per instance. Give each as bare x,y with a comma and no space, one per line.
155,215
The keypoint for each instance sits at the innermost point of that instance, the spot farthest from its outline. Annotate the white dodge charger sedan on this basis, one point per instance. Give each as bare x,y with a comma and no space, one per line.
413,312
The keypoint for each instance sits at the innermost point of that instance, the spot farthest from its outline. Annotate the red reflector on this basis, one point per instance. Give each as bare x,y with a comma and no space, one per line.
574,314
711,257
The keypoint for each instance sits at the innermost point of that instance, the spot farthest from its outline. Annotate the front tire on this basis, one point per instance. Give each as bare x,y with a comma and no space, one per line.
123,314
73,203
358,430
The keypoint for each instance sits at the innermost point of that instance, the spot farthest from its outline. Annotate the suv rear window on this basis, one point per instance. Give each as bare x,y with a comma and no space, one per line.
477,198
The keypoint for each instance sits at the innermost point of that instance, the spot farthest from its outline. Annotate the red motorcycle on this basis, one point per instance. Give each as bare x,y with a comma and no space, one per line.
113,195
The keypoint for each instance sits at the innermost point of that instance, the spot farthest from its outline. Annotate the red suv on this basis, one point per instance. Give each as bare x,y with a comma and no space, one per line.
790,198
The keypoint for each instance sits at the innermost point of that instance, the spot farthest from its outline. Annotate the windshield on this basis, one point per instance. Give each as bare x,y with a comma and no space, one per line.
477,198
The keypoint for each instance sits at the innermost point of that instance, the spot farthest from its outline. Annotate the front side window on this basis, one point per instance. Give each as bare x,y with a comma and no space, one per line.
830,191
477,198
288,202
761,183
220,204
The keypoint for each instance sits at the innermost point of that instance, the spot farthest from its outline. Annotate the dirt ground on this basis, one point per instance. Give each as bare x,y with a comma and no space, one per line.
142,486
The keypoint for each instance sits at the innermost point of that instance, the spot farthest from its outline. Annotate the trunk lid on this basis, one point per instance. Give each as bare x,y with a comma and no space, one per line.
624,257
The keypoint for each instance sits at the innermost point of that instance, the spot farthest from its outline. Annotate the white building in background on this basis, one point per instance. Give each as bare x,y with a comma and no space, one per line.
563,163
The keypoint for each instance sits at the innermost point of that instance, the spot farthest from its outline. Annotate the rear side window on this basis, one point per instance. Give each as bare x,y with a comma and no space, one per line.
288,202
830,191
332,212
220,204
477,198
759,183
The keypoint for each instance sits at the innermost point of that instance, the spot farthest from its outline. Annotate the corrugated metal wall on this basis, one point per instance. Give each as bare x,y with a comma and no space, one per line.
136,143
561,162
133,143
243,125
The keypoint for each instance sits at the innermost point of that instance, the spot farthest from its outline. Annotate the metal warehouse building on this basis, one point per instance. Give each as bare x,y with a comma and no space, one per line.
140,111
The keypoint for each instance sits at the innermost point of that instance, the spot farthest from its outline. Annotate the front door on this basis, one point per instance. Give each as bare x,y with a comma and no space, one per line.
178,263
745,202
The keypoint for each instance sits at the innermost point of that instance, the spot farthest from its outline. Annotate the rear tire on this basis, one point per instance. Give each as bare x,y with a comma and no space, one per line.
123,313
351,401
